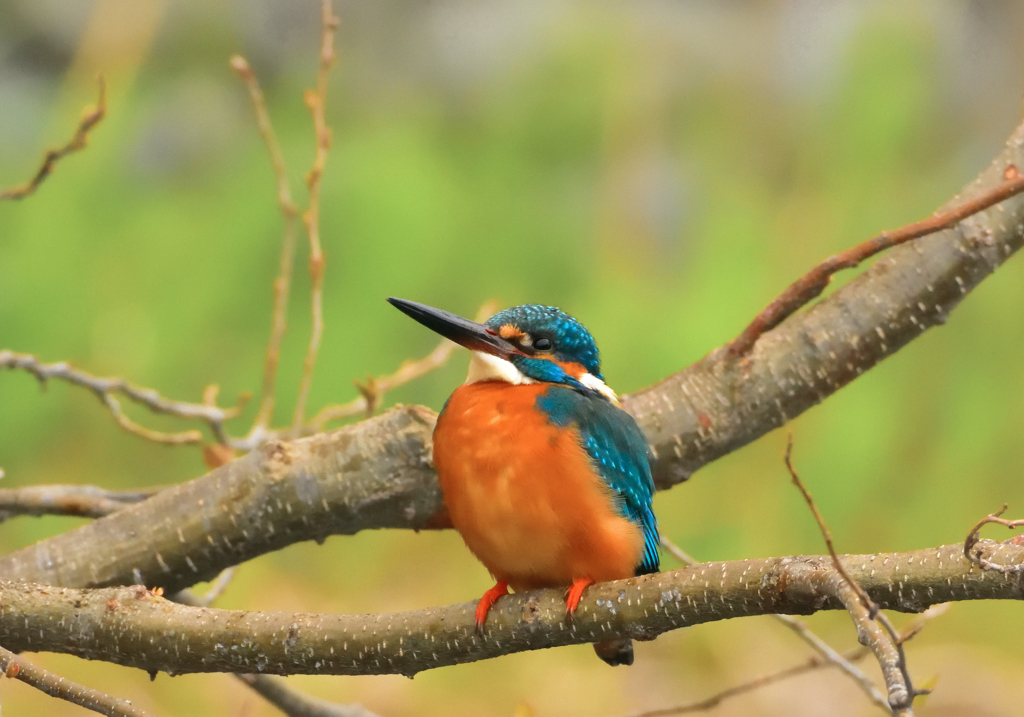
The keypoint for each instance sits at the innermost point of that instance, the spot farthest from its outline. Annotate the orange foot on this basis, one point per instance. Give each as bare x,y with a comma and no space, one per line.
500,588
572,600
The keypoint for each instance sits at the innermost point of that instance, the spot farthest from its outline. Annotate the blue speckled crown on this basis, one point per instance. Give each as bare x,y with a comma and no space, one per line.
569,338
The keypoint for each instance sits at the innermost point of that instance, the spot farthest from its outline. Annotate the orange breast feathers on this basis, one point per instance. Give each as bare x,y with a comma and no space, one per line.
524,494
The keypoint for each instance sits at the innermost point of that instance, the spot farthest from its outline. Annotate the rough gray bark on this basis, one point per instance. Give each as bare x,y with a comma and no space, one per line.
375,474
131,626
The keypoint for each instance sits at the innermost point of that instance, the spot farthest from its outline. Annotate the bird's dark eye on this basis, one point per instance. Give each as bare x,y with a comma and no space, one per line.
542,344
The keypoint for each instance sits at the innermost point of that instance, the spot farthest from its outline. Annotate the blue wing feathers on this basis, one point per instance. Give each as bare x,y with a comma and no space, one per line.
620,453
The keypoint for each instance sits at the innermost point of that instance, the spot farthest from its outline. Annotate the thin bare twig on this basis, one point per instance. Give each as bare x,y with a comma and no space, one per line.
91,117
824,650
976,557
217,588
297,704
830,655
106,388
811,284
874,627
316,100
814,663
85,501
17,667
290,212
372,392
825,532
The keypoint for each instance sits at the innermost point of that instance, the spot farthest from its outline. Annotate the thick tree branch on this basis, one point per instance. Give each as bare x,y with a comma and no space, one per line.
134,627
374,474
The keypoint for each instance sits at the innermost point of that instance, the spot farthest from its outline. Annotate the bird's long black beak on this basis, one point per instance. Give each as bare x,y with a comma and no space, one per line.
474,336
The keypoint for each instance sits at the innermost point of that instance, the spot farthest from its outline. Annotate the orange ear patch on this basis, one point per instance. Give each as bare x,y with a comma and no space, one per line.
572,368
509,332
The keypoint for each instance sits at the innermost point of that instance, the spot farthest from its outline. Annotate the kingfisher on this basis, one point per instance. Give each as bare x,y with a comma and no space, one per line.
545,477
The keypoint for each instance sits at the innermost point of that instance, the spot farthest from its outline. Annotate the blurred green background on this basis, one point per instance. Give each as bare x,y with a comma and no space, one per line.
660,170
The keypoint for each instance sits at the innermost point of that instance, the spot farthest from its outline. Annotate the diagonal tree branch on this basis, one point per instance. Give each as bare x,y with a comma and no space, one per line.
372,474
296,704
17,667
135,627
811,284
723,402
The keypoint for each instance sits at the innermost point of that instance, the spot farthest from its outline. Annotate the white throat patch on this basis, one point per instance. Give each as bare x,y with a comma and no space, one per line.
485,367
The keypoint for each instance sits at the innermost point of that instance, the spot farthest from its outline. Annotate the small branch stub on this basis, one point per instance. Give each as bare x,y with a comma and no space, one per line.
973,553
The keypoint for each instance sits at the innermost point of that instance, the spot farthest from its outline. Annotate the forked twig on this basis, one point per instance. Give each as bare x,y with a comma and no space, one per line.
17,667
816,662
91,117
106,389
824,650
972,539
290,212
874,627
316,100
811,284
825,532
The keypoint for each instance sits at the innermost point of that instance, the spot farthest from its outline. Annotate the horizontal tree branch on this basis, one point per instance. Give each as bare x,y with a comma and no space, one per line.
134,627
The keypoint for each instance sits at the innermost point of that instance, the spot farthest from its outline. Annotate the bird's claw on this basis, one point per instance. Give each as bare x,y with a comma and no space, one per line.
572,600
489,598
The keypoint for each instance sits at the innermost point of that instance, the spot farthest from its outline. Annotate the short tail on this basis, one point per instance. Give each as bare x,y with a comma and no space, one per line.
615,652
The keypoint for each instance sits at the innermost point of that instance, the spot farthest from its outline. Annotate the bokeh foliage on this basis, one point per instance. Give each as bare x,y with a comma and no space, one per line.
650,188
